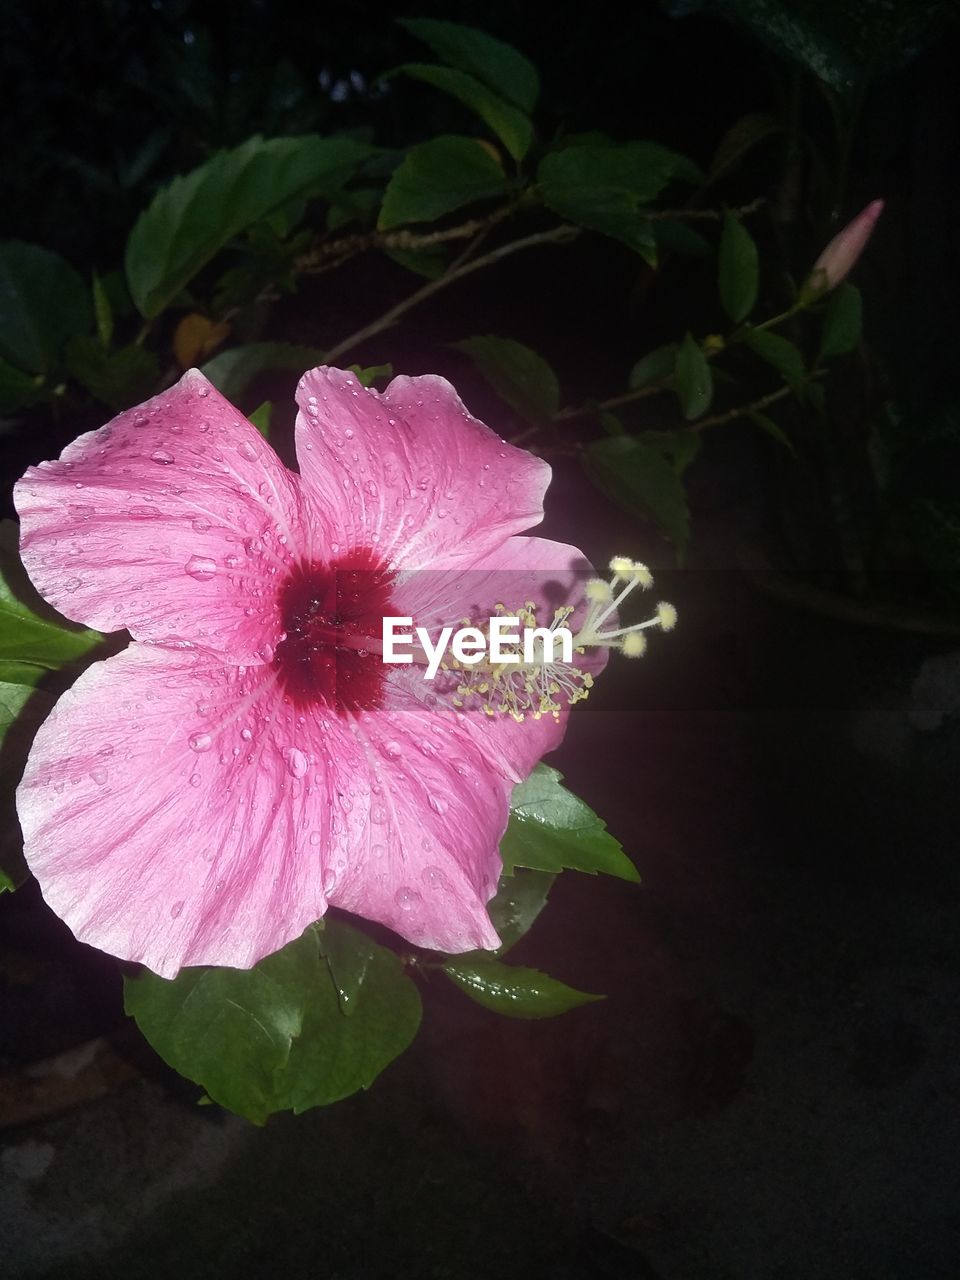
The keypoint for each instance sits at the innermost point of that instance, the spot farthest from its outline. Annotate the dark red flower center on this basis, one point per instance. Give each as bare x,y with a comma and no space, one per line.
333,618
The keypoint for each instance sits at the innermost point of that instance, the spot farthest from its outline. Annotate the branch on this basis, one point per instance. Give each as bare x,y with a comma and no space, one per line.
709,214
554,236
327,255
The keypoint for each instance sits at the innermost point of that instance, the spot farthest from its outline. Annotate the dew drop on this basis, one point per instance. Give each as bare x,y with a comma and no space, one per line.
438,804
176,909
99,776
201,567
329,882
195,779
393,749
296,761
201,525
408,899
200,742
247,450
162,456
378,814
232,562
315,838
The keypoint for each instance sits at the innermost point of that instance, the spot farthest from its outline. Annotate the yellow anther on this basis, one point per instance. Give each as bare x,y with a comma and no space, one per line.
666,616
634,644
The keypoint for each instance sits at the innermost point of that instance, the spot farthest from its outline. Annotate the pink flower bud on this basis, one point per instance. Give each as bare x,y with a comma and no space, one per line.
840,255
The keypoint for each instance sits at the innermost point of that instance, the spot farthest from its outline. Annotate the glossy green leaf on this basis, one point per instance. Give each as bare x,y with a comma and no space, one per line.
232,371
607,188
521,897
515,992
437,177
192,218
773,429
518,374
779,353
551,829
276,1037
30,631
117,379
692,379
842,322
43,302
423,262
261,418
738,267
372,373
498,65
510,125
642,481
655,366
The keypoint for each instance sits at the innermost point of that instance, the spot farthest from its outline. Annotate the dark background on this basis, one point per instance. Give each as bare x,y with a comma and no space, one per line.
771,1087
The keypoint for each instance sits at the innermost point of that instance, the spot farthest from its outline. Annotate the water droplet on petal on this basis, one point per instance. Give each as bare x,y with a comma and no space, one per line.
99,776
246,734
201,567
247,450
195,779
200,742
315,838
438,804
296,761
201,525
176,909
162,456
329,882
408,899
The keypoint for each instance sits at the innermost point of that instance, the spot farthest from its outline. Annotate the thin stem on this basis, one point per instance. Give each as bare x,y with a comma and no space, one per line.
731,415
554,236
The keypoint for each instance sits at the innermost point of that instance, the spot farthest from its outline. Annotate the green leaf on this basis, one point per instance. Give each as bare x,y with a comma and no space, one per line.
233,370
515,992
119,379
692,379
43,301
499,66
510,125
739,269
261,418
842,322
13,698
276,1037
30,631
607,188
772,429
518,374
742,136
103,312
551,829
192,218
642,481
437,177
681,447
779,353
655,366
521,897
18,390
424,262
373,373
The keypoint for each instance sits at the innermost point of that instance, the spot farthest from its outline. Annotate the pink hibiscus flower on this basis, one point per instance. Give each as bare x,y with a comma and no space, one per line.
249,759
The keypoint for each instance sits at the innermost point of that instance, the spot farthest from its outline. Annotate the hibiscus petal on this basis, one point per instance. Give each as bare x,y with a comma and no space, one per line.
163,817
172,521
523,570
410,472
206,821
421,852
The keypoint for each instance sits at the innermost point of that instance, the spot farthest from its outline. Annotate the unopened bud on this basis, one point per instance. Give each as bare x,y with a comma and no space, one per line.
840,255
